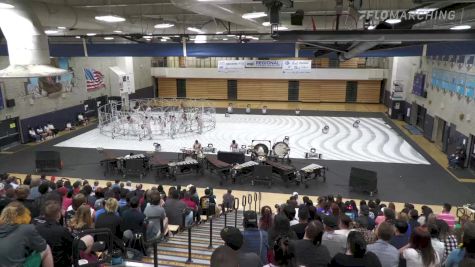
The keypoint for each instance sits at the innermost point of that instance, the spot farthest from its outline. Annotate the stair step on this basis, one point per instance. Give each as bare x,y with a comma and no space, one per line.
169,259
185,250
184,245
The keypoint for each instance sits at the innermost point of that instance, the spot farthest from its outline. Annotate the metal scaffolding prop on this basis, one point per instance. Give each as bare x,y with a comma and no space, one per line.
156,119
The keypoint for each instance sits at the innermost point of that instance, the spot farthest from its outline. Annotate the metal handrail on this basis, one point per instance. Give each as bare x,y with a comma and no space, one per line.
255,202
236,207
189,260
244,201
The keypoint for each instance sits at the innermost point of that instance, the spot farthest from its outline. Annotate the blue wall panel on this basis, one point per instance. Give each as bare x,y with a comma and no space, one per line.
451,48
241,50
135,50
3,50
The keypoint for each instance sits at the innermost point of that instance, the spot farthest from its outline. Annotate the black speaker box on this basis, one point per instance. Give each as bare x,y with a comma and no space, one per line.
231,157
48,160
363,180
10,103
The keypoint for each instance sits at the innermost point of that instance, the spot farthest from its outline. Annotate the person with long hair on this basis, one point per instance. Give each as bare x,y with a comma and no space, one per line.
356,254
282,255
280,228
82,219
265,222
20,242
447,237
419,252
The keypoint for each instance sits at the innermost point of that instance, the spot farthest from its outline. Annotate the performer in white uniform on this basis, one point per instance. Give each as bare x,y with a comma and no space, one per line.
172,126
148,127
199,121
234,146
197,147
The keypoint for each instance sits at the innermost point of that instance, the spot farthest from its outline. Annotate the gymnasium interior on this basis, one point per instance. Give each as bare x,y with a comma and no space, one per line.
340,101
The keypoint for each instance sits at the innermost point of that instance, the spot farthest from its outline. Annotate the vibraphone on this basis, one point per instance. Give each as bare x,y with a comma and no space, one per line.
242,170
285,171
159,164
310,172
183,167
219,167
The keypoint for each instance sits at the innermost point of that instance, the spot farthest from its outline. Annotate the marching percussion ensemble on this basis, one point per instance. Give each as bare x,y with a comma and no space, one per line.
194,160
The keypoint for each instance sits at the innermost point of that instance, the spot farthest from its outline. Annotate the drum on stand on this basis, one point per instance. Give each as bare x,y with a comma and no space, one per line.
280,149
260,151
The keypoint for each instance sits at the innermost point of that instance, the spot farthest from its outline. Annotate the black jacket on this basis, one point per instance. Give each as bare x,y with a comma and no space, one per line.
58,238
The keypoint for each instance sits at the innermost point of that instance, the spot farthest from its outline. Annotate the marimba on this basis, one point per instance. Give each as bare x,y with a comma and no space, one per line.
242,170
183,167
219,167
287,172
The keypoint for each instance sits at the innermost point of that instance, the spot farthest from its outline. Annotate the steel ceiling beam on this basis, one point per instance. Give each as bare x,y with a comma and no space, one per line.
380,36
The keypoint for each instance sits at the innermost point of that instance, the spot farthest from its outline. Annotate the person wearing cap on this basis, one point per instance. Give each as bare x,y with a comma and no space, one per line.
255,240
387,254
336,243
234,239
465,254
309,251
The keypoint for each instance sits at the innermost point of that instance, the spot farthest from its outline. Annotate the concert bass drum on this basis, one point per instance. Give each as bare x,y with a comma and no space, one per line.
280,149
259,151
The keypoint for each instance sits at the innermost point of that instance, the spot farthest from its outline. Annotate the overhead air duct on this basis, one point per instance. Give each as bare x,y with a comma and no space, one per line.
223,13
27,43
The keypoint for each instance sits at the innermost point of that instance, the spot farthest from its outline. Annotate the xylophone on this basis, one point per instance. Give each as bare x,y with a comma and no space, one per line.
220,167
242,170
310,172
285,171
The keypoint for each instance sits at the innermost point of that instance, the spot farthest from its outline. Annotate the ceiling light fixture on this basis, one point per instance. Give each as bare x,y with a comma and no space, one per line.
109,38
91,34
219,32
254,15
164,25
282,28
51,31
200,39
231,35
165,37
163,40
193,29
422,11
266,24
110,18
117,31
393,21
148,37
371,27
78,37
5,6
61,28
461,27
225,39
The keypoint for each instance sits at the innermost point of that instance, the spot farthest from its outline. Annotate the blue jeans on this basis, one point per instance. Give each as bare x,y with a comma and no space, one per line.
189,219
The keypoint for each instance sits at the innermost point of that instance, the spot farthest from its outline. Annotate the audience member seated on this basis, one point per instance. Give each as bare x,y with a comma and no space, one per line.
82,120
51,127
280,227
356,255
255,240
309,251
208,203
299,228
40,131
154,213
466,253
400,239
228,200
174,208
361,226
110,218
336,243
387,254
57,236
458,158
435,242
34,136
233,239
20,242
447,237
365,214
69,126
447,216
133,219
267,218
344,226
419,251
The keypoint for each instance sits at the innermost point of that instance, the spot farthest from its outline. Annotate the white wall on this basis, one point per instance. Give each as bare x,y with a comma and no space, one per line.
15,88
253,73
438,103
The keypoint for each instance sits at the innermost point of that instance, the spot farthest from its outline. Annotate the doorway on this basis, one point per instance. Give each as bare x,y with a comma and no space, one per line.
420,117
439,133
471,154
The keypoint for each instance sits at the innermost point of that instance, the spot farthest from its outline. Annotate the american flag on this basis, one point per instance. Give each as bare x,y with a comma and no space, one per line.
94,79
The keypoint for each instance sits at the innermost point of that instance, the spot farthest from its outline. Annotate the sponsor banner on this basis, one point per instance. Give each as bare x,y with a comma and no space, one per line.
231,65
297,66
288,66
